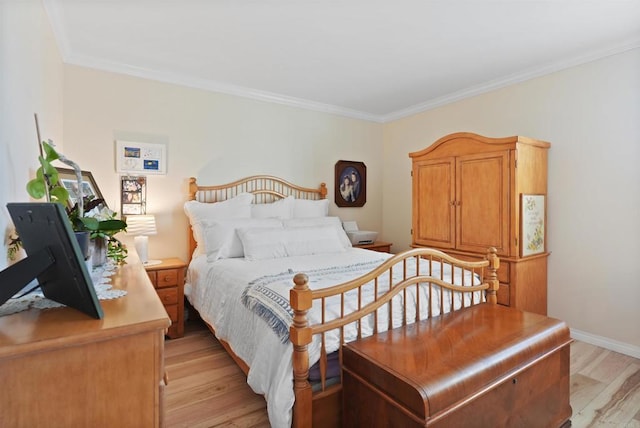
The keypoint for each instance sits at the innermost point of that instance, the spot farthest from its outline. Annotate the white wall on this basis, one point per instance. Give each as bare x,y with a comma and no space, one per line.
217,138
30,82
591,116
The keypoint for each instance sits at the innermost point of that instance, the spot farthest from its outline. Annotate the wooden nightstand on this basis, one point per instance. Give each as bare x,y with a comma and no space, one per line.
168,280
383,247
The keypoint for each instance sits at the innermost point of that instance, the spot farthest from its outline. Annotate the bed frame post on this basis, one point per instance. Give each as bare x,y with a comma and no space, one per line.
492,278
323,190
193,189
300,334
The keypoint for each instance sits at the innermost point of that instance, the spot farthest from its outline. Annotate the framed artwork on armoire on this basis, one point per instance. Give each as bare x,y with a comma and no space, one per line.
533,224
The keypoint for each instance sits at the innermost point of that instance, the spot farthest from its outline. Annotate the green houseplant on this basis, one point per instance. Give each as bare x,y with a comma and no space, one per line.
102,225
89,217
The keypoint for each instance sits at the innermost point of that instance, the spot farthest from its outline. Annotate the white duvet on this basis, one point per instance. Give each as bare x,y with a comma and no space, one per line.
215,290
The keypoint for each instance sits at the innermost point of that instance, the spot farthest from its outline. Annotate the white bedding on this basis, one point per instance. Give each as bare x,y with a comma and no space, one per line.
215,290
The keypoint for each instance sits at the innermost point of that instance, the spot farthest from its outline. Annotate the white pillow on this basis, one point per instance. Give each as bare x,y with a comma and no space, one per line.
282,208
303,208
198,212
302,241
221,238
271,243
321,221
262,243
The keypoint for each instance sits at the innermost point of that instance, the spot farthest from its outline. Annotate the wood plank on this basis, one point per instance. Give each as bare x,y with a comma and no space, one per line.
582,354
583,389
616,405
607,366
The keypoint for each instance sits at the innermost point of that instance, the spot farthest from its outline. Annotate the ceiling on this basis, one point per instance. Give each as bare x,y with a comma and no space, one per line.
377,60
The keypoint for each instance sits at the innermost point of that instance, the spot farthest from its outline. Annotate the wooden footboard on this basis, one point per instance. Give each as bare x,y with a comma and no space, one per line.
325,405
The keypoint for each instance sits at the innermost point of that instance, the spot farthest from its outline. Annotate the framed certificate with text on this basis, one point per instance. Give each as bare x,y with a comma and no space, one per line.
141,158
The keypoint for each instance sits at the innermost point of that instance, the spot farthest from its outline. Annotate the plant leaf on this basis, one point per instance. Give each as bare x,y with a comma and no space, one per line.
60,193
113,225
91,204
36,189
49,152
90,223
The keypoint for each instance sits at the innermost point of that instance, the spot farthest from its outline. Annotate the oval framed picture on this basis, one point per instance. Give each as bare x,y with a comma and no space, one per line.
350,184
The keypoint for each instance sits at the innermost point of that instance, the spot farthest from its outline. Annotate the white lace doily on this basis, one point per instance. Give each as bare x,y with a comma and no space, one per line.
101,282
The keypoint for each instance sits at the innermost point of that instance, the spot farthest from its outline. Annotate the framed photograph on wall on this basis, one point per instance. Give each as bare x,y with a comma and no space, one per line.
533,216
141,158
133,191
67,177
350,184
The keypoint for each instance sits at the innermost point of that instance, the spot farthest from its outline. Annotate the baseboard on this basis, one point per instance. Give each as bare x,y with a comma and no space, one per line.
604,342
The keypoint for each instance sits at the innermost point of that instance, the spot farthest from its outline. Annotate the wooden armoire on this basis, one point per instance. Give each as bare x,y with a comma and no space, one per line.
471,192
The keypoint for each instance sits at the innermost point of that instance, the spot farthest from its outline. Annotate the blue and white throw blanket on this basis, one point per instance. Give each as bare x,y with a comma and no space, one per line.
268,296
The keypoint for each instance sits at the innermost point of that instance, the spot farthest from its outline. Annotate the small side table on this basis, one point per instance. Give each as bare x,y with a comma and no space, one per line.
168,280
383,247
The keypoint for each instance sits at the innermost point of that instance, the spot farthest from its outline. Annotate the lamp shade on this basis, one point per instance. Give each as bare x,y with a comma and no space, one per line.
141,225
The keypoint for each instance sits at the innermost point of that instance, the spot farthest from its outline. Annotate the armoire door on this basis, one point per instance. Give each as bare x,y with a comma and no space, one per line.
482,202
434,203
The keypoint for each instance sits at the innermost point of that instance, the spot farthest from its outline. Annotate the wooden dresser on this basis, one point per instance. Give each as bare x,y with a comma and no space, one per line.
467,193
59,367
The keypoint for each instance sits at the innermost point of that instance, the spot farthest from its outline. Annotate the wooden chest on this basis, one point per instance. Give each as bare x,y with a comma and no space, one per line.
483,366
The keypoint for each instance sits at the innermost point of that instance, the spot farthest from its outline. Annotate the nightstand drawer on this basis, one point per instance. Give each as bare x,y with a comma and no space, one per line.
166,278
383,247
168,296
172,311
152,277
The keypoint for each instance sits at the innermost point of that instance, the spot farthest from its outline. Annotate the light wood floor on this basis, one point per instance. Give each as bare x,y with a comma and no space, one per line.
207,389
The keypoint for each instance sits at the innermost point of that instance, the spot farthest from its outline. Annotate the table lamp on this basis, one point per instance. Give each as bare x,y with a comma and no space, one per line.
141,226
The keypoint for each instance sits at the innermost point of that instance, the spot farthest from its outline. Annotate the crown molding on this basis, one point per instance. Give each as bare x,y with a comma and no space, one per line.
68,57
213,86
512,79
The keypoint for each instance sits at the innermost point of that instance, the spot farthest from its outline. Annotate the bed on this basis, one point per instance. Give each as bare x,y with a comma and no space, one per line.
273,278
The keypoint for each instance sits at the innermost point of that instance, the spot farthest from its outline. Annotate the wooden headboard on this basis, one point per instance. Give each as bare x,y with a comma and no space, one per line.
266,189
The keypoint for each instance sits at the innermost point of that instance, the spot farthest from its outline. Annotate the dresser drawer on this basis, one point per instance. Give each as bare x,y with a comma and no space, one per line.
168,296
166,278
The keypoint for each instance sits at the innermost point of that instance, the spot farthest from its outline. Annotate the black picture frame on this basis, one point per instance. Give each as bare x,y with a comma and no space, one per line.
350,184
133,195
67,178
